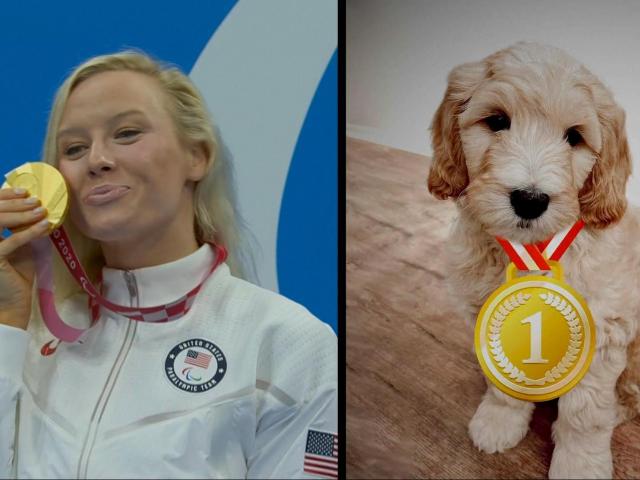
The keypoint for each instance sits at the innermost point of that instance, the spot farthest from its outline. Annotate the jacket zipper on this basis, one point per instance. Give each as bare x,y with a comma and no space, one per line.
100,407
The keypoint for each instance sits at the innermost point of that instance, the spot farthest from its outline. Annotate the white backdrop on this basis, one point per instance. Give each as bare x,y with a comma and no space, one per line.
400,52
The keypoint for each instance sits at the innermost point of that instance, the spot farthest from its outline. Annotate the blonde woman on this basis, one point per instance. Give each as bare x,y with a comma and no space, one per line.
242,385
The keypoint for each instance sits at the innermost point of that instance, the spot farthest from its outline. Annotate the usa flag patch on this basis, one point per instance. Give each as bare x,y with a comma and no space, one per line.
321,454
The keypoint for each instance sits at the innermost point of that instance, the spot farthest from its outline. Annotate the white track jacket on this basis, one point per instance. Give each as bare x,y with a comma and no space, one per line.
243,385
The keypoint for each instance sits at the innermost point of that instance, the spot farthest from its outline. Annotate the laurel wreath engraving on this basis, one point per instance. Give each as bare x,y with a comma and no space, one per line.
575,337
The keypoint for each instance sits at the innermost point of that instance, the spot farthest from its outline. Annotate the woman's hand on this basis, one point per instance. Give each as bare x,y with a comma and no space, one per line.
16,263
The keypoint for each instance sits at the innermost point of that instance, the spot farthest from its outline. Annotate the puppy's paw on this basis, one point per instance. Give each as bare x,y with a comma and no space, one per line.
580,463
496,427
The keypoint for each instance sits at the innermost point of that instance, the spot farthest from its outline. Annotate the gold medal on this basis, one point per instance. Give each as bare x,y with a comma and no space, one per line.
535,336
45,182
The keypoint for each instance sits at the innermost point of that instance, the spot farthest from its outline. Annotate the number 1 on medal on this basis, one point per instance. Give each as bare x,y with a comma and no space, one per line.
536,338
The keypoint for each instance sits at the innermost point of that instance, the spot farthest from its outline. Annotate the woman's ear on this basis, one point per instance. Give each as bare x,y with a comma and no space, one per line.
200,161
602,198
448,175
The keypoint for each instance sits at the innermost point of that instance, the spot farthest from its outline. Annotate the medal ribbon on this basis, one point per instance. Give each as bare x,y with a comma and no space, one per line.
44,275
532,256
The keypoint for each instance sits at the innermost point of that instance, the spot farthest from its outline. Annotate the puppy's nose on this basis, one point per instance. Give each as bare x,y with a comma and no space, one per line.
529,204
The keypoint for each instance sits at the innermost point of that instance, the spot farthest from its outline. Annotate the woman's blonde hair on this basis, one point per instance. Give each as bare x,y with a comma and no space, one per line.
216,216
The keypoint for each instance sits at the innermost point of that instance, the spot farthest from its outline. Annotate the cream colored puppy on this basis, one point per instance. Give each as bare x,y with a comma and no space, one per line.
526,141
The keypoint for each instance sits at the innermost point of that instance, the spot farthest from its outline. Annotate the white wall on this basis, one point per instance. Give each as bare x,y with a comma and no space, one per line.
399,53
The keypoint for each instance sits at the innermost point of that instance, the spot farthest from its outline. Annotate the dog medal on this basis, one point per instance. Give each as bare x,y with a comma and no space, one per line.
534,336
45,182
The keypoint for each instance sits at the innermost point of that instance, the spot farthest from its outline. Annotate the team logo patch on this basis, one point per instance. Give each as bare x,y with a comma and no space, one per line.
195,365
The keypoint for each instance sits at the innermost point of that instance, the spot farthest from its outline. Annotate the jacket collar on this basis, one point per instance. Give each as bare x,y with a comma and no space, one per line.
160,284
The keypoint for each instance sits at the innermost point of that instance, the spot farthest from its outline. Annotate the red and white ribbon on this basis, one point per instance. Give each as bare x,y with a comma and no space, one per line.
532,256
43,259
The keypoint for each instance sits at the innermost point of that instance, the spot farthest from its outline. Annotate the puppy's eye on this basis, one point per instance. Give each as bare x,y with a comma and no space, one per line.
498,122
573,137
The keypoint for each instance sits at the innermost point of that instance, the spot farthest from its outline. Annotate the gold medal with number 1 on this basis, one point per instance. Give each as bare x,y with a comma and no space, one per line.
535,336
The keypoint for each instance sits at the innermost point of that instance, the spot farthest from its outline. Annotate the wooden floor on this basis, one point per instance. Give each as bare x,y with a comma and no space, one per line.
413,382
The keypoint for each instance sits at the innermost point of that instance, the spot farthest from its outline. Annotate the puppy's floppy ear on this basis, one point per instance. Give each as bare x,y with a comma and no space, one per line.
602,197
448,175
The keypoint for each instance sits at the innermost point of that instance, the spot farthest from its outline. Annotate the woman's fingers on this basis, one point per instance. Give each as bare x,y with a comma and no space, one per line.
19,204
10,193
18,239
18,210
19,219
17,200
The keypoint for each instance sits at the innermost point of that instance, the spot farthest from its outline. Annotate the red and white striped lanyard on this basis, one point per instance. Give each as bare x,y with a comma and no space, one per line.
534,256
67,333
